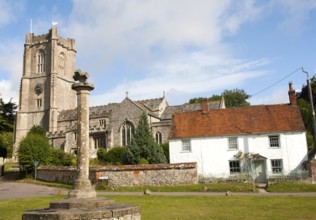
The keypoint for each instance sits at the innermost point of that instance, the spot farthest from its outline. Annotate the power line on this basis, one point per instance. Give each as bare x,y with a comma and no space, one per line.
301,68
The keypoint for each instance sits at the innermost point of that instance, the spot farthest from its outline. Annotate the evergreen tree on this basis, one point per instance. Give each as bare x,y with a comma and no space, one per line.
7,114
143,145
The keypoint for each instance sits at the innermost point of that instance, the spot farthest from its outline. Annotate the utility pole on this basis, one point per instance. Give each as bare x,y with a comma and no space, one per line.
310,94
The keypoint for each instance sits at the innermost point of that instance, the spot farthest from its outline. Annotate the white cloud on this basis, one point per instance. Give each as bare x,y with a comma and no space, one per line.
200,73
8,91
177,43
11,54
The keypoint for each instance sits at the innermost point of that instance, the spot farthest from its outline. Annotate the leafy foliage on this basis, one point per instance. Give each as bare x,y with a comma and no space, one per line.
7,114
6,143
60,158
34,147
236,98
165,147
143,161
233,98
303,101
114,156
143,145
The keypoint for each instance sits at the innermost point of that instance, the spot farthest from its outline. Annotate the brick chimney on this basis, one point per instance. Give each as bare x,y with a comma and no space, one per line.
204,106
292,94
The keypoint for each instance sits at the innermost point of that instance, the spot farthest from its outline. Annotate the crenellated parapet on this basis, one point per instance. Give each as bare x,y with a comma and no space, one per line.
32,39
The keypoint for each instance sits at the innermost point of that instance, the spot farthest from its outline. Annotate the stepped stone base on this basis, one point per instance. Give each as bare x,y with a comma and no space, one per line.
84,209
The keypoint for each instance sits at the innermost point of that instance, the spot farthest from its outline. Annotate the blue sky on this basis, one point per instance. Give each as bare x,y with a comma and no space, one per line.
185,48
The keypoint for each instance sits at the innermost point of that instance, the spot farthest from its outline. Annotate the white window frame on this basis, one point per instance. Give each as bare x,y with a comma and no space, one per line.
186,145
232,168
277,166
274,141
232,143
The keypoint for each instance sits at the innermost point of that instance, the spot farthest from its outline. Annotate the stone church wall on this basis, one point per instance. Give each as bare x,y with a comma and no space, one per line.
130,175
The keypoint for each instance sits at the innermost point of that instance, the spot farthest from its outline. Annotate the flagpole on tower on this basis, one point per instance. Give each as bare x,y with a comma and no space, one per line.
31,28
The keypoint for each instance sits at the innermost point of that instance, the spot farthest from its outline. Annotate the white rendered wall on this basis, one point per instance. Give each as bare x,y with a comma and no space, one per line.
212,154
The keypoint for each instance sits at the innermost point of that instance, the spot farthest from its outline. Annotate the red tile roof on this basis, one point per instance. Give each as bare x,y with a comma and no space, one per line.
237,121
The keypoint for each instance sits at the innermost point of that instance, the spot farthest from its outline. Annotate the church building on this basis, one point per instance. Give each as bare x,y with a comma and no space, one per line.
46,99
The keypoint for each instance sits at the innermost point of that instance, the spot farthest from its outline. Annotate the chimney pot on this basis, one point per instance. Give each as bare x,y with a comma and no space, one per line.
204,106
292,94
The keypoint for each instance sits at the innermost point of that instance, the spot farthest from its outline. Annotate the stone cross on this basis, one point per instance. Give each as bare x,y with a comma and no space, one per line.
82,186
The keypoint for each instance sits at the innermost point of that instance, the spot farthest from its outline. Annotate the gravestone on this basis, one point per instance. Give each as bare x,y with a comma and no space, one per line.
82,202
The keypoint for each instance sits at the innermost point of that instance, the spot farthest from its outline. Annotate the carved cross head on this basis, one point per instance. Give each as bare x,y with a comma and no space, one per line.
80,76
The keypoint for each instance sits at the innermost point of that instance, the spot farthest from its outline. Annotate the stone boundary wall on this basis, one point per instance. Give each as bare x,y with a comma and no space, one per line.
127,175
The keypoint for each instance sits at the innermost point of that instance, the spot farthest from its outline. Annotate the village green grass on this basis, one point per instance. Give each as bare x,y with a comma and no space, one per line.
190,207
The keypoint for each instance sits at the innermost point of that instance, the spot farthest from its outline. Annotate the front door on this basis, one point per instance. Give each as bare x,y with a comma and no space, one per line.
260,171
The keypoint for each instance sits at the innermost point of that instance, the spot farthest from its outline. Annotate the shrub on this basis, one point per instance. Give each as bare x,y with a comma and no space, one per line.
33,148
143,161
101,154
60,158
113,156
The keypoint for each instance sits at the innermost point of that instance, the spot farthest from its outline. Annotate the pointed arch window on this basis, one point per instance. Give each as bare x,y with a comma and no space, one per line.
40,62
127,132
158,138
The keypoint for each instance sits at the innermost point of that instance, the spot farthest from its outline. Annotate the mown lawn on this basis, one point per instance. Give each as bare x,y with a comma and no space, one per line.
191,207
291,187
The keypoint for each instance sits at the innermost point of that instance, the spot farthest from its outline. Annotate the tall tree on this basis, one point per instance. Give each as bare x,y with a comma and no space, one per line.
143,145
233,98
303,101
7,114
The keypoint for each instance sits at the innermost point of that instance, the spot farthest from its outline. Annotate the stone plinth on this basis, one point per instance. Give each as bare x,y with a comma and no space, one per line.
84,209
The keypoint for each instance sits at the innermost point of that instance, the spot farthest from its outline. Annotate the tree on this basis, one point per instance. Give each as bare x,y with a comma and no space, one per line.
143,145
6,143
7,115
303,102
165,147
236,98
233,98
34,147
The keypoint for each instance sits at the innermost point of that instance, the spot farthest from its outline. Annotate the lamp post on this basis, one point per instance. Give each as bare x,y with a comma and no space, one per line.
310,94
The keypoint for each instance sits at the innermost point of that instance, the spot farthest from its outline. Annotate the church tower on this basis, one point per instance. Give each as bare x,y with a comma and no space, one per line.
45,90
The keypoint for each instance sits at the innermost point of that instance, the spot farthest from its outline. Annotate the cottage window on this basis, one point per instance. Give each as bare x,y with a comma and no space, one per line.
274,141
127,132
234,166
277,166
186,146
158,138
40,62
232,143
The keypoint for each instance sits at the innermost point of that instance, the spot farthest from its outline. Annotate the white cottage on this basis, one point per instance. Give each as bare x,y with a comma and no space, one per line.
263,140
